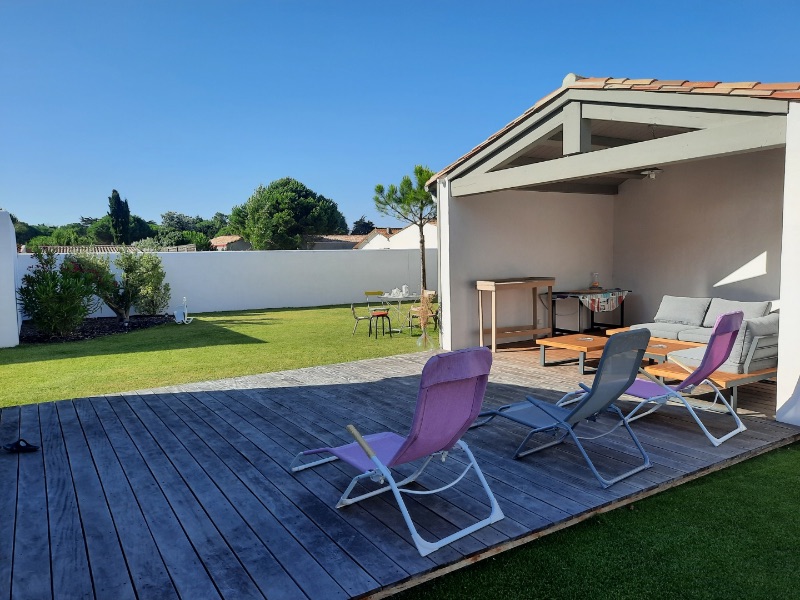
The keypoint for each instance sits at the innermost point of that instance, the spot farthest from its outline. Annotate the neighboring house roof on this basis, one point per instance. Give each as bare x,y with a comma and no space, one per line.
224,240
99,249
383,233
754,89
336,238
387,231
332,241
371,236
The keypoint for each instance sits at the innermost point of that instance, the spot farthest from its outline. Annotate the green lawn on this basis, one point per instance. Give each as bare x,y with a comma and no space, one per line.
213,346
731,534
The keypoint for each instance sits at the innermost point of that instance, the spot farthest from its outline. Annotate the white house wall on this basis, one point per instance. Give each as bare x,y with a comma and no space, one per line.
408,238
517,234
220,281
788,404
379,242
696,225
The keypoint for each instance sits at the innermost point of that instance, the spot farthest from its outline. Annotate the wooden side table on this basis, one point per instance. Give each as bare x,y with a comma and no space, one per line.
497,285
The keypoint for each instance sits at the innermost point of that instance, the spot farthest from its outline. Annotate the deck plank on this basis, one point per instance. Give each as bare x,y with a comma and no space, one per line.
69,560
9,476
186,570
31,577
277,488
107,563
186,492
230,578
272,526
148,573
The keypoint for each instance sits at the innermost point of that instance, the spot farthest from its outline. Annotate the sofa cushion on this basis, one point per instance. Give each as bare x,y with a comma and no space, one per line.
763,358
680,309
668,331
720,306
701,335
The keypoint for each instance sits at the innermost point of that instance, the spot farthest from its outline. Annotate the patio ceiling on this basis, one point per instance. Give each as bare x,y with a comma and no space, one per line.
592,135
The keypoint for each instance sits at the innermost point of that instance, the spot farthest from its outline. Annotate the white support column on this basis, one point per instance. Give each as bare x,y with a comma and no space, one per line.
9,326
445,271
789,365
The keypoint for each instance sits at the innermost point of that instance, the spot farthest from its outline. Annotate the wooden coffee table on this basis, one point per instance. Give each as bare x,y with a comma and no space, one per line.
579,342
658,348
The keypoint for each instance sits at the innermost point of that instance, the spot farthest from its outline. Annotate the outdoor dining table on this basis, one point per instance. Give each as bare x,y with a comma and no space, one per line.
396,302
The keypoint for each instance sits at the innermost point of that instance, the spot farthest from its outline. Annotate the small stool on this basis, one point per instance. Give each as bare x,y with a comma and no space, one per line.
383,315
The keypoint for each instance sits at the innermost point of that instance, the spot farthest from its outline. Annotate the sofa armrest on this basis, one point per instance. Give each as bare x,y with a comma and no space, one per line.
760,341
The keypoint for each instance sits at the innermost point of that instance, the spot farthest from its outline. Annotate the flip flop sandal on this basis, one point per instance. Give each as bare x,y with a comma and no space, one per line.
20,446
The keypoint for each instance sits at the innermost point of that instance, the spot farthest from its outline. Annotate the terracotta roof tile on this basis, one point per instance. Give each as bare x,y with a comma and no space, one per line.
754,89
751,92
777,86
670,82
714,90
701,84
224,239
588,84
741,84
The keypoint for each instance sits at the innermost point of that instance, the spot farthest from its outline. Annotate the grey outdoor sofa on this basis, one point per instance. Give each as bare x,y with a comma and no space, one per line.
691,320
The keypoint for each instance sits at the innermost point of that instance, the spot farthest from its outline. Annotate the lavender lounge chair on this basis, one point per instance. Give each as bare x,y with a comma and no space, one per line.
450,396
719,348
618,366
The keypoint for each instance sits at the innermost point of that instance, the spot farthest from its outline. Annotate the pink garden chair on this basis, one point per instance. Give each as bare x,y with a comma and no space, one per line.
450,396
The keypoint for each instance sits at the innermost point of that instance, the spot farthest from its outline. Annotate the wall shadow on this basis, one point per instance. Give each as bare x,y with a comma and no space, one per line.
170,336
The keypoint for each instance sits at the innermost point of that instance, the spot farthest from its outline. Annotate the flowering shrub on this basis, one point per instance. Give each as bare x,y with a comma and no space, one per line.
57,298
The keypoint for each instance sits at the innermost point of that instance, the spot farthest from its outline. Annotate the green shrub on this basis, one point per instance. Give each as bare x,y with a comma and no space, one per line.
141,282
57,298
154,294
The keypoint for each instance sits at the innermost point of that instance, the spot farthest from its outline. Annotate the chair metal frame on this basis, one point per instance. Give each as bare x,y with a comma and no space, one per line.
359,318
463,368
723,337
544,417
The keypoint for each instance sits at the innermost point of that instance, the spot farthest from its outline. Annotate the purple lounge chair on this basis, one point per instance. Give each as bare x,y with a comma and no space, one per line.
719,348
450,396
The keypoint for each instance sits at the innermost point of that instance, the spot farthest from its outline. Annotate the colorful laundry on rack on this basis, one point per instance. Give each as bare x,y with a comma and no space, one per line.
603,301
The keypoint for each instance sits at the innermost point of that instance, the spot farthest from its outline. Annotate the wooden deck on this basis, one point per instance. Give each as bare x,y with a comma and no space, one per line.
185,493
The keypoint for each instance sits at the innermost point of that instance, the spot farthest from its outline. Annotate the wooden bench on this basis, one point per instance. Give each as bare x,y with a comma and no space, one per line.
721,379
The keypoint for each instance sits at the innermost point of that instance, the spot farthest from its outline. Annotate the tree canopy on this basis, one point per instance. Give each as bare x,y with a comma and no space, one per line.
411,202
277,217
362,226
120,218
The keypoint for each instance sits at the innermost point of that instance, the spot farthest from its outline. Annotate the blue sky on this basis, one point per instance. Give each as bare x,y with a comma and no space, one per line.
190,105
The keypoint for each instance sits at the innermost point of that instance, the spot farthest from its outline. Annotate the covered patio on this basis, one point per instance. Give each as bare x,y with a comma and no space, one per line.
185,492
684,188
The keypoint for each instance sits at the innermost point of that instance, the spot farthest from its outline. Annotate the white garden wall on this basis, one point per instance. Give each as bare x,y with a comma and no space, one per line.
220,281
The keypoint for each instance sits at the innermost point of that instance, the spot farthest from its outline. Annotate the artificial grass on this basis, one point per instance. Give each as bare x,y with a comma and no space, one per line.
213,346
731,534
